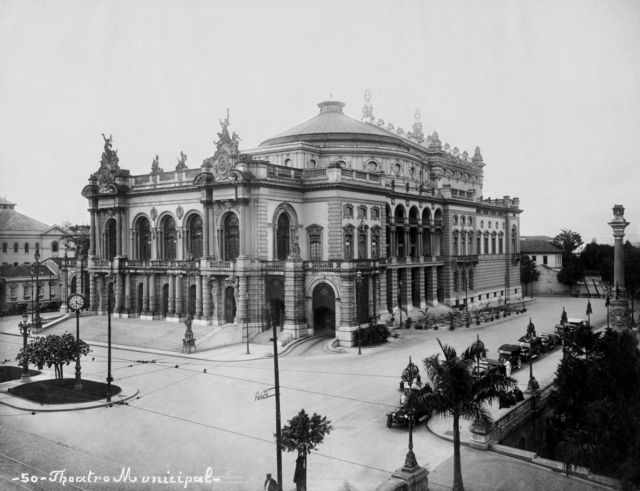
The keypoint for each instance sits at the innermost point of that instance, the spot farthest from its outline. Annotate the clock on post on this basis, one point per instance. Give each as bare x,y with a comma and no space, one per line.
76,302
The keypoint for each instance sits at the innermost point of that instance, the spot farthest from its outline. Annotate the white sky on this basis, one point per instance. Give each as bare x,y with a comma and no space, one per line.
549,90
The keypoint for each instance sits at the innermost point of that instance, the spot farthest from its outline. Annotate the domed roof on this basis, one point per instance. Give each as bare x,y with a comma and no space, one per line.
332,124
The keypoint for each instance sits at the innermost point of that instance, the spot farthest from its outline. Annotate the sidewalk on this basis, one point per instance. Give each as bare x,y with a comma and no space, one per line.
154,337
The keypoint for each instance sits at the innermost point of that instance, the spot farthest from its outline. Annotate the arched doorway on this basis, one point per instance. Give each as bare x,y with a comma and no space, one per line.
229,305
112,296
191,304
324,310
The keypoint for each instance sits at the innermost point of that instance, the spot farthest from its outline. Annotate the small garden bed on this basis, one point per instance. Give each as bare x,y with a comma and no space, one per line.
14,373
61,391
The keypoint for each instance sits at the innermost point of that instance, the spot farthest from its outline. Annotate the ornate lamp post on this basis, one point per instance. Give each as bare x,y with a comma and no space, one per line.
356,303
109,377
533,383
410,461
25,330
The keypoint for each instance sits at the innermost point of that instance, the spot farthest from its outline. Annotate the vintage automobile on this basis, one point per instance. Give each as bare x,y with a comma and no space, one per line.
512,353
533,344
549,341
487,365
400,416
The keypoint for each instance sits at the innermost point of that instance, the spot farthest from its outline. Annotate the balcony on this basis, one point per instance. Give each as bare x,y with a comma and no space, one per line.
466,258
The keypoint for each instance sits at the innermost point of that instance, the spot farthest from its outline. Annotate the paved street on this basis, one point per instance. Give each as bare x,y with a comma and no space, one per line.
185,420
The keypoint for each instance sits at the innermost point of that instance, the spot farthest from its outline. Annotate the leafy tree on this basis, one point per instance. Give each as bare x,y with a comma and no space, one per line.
453,390
303,434
596,403
568,241
528,271
598,257
57,350
571,272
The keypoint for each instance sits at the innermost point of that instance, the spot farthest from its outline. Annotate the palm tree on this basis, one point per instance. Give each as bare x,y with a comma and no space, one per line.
455,391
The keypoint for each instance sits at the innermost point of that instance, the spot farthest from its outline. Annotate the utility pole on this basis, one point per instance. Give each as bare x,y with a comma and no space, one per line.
277,387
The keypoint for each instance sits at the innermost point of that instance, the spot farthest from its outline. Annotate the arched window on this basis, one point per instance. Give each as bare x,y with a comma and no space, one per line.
282,237
110,239
169,238
54,246
194,236
231,234
143,238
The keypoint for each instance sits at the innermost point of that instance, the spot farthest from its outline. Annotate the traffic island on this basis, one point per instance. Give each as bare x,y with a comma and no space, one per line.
62,391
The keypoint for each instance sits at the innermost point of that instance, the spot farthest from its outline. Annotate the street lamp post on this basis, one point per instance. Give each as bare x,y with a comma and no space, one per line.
25,330
109,377
607,303
410,461
66,278
78,383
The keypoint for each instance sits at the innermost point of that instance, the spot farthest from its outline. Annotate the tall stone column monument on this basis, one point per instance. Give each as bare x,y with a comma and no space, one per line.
619,302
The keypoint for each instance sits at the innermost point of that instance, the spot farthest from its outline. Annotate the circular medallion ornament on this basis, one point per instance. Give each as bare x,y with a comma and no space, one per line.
76,302
179,212
223,165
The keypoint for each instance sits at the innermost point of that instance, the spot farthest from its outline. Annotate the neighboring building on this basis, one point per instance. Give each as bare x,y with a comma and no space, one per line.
327,226
548,259
21,237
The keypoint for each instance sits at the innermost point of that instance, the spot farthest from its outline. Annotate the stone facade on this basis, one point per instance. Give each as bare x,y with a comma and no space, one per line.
329,226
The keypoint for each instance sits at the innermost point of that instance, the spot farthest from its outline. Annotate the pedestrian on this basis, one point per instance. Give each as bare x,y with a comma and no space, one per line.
507,368
270,484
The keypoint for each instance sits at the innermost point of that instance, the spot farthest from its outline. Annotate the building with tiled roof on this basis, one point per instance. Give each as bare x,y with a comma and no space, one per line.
331,225
548,259
21,237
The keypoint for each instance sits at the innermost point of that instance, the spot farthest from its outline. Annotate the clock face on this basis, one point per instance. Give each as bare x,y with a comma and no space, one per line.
75,301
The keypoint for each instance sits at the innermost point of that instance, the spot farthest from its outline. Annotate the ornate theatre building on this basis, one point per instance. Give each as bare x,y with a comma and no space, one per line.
333,224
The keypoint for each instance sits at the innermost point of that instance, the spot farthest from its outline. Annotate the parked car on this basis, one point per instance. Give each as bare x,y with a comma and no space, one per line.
533,344
400,416
549,341
487,365
512,353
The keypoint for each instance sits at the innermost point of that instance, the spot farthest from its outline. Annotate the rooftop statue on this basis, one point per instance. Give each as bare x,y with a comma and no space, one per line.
182,162
155,166
109,155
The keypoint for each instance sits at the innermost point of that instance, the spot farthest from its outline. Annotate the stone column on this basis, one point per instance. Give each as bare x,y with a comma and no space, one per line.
198,308
93,232
619,309
171,304
133,253
206,248
295,323
179,305
423,296
154,243
393,242
127,293
206,299
145,295
119,293
152,295
419,252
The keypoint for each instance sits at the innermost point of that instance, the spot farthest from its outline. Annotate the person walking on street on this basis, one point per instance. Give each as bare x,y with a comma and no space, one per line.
270,484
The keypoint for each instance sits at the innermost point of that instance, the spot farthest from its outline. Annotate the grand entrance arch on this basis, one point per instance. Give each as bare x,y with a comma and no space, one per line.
324,309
